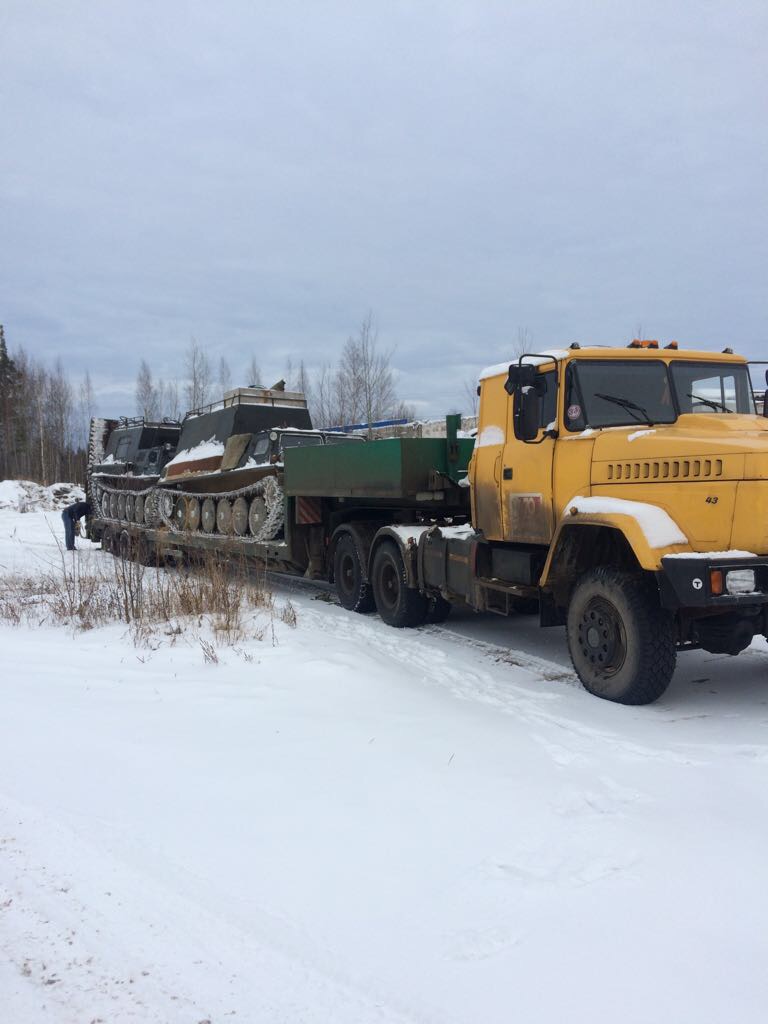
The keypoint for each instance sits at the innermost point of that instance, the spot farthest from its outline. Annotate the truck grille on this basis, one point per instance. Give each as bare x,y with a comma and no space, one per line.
666,469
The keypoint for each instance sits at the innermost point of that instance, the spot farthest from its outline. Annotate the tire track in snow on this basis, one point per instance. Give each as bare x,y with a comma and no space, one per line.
423,648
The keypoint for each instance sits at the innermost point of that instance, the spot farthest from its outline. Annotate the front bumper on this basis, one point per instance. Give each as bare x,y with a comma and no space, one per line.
686,582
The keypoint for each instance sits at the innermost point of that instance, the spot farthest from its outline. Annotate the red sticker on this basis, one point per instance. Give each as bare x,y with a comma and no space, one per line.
574,411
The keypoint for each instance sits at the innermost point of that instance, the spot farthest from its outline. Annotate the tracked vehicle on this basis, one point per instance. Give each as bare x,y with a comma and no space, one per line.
125,460
226,478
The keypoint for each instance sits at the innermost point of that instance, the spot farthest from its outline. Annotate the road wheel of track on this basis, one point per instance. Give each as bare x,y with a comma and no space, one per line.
398,604
112,498
121,506
352,587
165,506
193,514
257,515
180,513
224,515
208,515
240,516
620,639
438,609
138,510
130,508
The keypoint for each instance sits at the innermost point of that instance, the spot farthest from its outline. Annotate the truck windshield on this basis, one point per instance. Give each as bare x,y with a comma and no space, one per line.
712,387
612,393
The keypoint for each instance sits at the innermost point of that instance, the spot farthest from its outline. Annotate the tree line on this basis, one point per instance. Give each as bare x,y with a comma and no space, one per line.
360,388
44,415
43,419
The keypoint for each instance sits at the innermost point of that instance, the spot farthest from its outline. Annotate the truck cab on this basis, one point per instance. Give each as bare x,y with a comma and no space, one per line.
642,465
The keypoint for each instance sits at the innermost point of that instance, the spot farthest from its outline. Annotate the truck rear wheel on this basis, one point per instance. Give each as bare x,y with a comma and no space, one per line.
620,639
353,590
398,604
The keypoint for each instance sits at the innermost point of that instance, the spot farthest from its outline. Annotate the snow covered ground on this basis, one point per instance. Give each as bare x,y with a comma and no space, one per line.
358,824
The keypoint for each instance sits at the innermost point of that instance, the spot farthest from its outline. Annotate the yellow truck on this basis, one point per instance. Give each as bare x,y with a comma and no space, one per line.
627,490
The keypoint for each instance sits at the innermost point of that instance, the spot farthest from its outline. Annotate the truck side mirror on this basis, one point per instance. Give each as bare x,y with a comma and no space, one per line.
520,376
527,413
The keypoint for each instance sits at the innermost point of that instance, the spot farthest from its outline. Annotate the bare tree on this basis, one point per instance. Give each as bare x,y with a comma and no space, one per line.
198,387
470,393
362,387
59,410
170,403
253,373
372,376
147,395
86,409
225,375
524,342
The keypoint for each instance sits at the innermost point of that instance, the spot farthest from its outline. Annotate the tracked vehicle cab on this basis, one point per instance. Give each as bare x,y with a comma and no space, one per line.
139,447
270,445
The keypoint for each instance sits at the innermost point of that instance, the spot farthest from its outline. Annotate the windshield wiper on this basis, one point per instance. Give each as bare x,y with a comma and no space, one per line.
709,401
625,403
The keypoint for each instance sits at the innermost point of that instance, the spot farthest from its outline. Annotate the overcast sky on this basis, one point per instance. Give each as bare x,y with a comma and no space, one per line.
261,174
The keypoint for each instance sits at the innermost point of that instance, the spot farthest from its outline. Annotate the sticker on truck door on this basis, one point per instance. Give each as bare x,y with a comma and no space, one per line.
530,519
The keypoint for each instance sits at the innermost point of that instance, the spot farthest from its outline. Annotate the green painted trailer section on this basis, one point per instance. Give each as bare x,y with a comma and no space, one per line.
390,468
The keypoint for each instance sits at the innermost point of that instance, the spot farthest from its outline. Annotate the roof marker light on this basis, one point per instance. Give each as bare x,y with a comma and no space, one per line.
637,343
672,344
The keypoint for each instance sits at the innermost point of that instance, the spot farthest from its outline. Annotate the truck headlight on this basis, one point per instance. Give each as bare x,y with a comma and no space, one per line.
740,581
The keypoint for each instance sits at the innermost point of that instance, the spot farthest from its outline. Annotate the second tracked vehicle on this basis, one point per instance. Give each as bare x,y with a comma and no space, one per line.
226,478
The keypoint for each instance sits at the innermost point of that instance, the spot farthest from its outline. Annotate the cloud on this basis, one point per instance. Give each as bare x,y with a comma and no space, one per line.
259,176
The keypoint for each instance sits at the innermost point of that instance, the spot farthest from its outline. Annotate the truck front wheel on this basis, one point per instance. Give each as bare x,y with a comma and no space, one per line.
397,603
620,639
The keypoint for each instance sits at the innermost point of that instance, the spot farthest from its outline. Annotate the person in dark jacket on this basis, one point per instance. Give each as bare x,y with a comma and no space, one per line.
71,515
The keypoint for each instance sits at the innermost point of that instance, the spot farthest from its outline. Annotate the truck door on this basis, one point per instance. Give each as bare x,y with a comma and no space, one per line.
526,496
485,468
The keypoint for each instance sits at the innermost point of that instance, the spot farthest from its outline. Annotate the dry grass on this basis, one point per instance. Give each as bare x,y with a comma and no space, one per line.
220,594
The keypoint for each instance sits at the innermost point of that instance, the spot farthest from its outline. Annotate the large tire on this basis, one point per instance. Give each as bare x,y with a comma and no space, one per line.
398,604
620,639
353,589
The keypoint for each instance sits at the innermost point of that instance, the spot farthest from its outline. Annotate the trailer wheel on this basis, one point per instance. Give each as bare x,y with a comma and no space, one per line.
620,639
438,609
398,604
353,590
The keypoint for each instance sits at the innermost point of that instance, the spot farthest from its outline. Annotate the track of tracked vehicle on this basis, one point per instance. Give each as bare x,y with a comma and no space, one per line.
253,514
